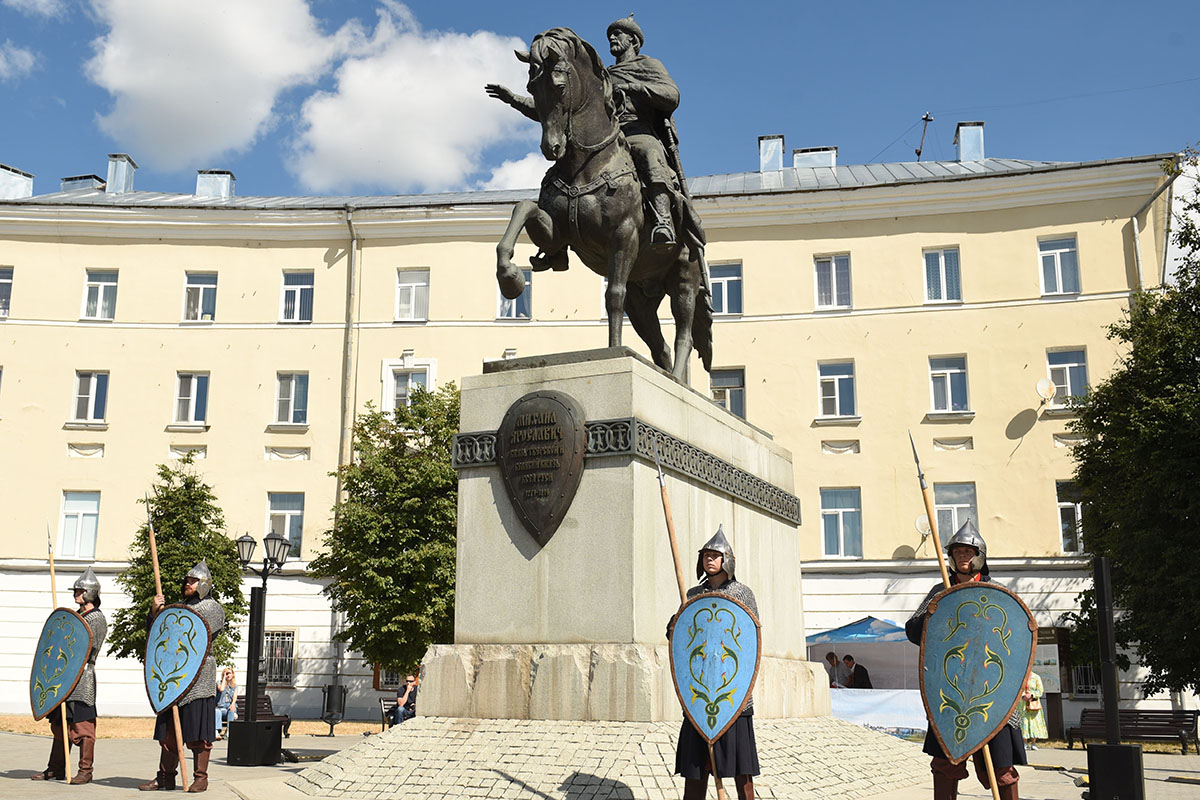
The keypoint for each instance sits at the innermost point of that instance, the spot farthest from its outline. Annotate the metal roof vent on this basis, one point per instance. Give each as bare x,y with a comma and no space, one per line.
215,183
968,138
15,184
770,153
815,157
120,173
76,182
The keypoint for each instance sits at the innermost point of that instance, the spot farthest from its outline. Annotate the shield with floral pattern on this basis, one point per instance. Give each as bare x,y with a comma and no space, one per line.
176,647
58,663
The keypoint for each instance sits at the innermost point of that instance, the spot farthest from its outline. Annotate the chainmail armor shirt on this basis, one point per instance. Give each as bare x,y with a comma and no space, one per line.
738,591
85,690
206,683
916,623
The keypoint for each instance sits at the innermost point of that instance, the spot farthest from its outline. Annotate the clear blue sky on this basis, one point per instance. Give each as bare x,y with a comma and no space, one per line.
352,96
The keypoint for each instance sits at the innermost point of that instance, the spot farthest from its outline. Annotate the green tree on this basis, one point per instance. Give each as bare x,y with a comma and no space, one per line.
188,526
1138,468
389,557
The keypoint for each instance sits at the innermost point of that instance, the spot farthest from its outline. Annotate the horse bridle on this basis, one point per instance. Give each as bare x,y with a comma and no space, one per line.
570,131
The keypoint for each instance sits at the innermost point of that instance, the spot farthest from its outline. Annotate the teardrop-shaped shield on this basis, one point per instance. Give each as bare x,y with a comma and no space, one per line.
59,661
715,646
540,447
976,652
178,643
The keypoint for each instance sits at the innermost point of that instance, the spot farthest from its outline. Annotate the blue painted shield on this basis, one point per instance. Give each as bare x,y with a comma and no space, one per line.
976,652
715,645
176,647
62,653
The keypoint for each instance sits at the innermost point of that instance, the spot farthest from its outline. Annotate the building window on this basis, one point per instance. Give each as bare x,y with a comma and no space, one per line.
279,657
389,678
200,296
1068,373
522,306
80,520
404,382
954,504
291,398
942,283
297,303
1070,516
833,281
100,294
191,397
728,388
837,389
287,518
91,396
1060,266
841,522
412,295
5,290
726,282
948,384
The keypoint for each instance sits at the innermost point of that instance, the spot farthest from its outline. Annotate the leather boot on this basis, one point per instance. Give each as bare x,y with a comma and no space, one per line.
86,741
165,780
745,787
1009,792
56,767
47,775
664,229
200,775
944,788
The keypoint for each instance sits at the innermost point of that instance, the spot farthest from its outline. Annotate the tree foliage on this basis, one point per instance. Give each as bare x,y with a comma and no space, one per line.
389,557
1138,468
188,526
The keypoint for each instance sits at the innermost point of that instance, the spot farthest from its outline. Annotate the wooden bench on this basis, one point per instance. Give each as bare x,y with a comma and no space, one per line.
264,712
386,704
1138,724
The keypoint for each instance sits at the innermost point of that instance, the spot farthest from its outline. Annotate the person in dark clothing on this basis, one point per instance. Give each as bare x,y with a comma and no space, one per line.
859,677
406,701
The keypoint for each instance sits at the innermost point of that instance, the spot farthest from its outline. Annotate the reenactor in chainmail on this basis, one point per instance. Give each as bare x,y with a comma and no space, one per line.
198,707
81,703
736,752
967,552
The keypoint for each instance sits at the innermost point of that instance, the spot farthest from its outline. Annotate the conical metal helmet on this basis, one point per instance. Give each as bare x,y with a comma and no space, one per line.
720,544
90,585
968,534
203,577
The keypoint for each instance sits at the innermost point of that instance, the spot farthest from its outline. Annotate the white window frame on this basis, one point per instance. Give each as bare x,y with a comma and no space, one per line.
414,283
1060,376
286,515
291,399
92,395
1056,255
406,364
832,261
509,309
269,659
832,387
943,283
840,515
6,282
76,552
959,512
98,279
198,381
720,289
298,289
945,373
728,397
201,290
1076,508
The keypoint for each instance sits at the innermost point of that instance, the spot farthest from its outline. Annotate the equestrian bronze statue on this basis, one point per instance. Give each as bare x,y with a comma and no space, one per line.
615,193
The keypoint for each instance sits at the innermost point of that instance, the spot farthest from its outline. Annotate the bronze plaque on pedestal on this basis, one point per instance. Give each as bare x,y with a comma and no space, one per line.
540,447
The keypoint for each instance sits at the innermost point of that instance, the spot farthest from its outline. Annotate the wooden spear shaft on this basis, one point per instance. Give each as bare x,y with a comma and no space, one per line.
174,708
937,546
679,579
62,707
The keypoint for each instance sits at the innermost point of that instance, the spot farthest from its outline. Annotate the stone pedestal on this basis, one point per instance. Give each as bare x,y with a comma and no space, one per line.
575,628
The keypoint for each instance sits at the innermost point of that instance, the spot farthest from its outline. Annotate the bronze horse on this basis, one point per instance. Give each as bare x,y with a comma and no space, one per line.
591,200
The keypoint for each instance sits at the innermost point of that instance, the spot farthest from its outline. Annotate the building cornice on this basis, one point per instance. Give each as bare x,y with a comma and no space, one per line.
929,566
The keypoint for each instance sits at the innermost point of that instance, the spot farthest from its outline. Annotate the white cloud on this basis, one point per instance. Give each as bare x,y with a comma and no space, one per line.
525,173
38,8
15,62
408,112
194,80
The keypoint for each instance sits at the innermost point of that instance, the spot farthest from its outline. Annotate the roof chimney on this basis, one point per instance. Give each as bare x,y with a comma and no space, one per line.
215,183
968,138
815,157
770,152
76,182
120,173
15,184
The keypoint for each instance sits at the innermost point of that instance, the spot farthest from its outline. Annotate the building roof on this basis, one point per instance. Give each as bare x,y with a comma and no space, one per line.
786,180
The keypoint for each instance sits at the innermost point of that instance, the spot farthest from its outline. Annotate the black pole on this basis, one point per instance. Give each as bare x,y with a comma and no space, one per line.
254,648
1108,649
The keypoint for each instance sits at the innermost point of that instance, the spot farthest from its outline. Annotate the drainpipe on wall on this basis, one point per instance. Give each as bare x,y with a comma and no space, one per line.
1137,237
345,430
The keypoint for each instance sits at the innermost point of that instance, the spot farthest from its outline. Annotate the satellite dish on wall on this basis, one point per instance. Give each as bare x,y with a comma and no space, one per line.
922,525
1046,390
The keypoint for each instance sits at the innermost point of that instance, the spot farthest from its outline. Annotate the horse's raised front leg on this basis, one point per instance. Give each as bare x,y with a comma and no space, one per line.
621,255
541,232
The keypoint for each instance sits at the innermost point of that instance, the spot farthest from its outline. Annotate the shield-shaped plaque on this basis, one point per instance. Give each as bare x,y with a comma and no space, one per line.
976,652
176,647
62,653
715,645
540,447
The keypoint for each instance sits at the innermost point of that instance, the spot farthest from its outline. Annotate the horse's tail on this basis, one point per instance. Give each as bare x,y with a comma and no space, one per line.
702,316
702,322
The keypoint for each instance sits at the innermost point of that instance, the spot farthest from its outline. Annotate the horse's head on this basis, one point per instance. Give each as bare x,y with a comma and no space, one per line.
565,77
